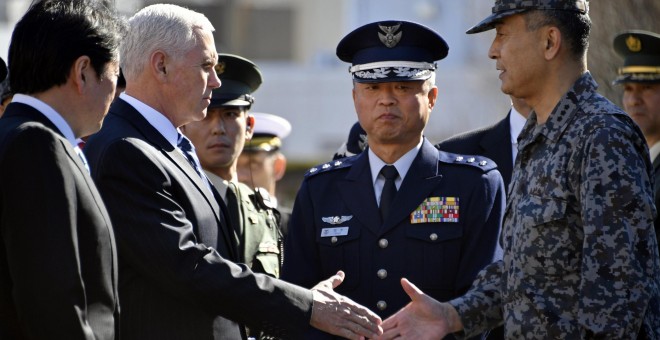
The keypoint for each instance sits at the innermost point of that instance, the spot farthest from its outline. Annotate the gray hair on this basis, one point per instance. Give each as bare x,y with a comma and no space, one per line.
165,27
430,82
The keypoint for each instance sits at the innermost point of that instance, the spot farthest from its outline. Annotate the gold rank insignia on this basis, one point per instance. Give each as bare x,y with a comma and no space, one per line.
436,209
633,43
220,67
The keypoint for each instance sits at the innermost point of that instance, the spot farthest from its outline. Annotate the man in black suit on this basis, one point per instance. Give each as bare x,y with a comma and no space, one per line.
174,245
58,264
499,142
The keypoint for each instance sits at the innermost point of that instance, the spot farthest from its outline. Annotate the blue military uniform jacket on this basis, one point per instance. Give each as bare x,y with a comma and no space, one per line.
336,225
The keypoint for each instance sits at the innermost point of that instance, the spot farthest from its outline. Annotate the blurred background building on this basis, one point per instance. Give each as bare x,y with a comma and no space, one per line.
293,42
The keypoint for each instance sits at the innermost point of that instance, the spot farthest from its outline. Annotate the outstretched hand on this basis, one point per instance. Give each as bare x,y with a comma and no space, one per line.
423,318
339,315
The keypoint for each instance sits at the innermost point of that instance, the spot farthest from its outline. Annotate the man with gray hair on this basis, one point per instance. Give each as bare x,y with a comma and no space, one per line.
580,253
175,252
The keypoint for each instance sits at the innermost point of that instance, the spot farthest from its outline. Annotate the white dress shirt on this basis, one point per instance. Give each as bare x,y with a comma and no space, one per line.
402,166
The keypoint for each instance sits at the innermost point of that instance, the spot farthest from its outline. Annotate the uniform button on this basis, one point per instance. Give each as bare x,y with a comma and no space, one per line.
381,305
382,274
383,243
333,240
433,236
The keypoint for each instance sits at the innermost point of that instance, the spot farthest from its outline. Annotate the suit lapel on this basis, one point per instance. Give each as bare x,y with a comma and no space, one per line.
357,191
152,136
29,113
155,138
422,178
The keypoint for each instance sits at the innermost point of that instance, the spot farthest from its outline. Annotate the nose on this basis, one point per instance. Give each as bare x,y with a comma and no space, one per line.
493,51
387,97
218,126
631,98
214,80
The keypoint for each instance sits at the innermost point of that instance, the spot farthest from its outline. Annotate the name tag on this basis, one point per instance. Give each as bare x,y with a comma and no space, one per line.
339,231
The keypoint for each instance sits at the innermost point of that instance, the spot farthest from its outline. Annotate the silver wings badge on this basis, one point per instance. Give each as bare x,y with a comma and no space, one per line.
336,219
390,39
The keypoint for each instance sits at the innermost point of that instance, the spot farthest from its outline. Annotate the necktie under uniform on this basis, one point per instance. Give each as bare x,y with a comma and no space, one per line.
389,190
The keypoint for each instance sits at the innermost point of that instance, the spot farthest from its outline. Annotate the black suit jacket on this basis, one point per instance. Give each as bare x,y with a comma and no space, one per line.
176,277
656,173
58,265
493,142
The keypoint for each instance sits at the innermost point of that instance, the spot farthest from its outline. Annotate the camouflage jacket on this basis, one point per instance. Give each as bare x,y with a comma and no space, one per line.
258,236
580,252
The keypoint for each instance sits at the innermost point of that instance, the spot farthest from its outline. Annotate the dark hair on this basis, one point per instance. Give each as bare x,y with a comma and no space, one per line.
574,27
53,34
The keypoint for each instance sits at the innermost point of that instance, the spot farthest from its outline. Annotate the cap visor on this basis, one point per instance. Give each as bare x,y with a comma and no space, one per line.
489,23
225,102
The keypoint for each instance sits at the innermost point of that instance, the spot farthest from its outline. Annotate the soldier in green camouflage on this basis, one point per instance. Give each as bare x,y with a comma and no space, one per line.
218,140
580,251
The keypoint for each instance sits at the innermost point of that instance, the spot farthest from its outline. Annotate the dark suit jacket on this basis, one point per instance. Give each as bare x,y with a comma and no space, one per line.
58,265
493,142
656,171
176,280
441,258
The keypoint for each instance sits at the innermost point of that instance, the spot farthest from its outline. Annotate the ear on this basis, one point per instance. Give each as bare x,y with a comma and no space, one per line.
279,166
81,73
553,42
433,96
159,65
249,126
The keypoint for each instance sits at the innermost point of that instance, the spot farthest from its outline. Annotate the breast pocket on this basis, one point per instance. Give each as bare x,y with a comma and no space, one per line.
546,243
433,254
341,252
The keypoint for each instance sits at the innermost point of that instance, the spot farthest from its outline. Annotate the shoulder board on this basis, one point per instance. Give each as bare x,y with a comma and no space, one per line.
332,165
480,162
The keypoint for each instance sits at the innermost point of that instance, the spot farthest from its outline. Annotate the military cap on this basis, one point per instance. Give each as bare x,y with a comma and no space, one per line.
239,78
641,53
388,51
269,130
3,69
505,8
5,90
356,143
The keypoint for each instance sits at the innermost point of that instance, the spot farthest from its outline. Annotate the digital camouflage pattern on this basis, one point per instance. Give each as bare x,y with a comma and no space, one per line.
570,5
505,8
580,252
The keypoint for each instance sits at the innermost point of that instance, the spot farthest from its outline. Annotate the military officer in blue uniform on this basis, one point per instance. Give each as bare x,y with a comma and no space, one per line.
429,215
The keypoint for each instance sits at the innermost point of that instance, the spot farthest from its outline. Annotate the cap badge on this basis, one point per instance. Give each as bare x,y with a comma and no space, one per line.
633,43
390,38
220,67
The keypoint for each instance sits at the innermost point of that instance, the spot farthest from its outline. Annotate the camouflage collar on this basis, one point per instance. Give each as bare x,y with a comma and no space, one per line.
563,113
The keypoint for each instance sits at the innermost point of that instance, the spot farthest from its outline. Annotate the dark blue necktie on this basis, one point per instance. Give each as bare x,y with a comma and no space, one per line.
389,190
189,151
82,157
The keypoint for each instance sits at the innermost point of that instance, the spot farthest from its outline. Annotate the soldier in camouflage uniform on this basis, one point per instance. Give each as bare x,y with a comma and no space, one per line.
218,140
580,251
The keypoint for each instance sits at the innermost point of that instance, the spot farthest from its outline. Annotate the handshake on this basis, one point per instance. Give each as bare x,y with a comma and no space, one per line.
423,318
